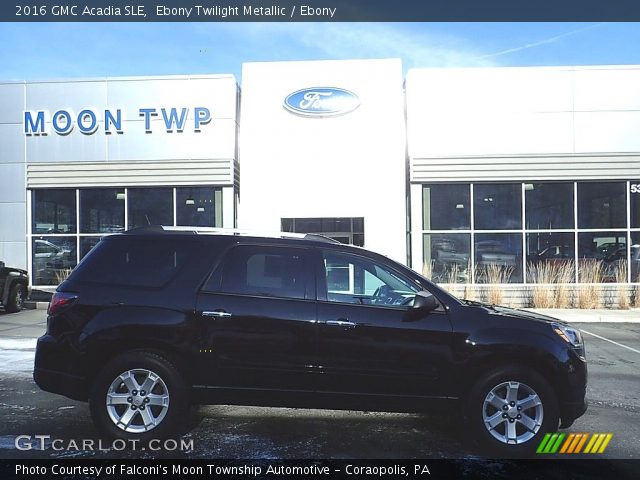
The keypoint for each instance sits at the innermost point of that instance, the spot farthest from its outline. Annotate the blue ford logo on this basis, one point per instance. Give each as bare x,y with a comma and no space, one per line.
321,102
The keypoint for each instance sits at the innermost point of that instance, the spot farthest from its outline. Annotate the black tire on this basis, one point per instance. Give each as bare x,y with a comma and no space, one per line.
137,365
529,382
16,298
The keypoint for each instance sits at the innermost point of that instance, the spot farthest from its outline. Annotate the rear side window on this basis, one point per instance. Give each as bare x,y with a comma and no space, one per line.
265,271
141,262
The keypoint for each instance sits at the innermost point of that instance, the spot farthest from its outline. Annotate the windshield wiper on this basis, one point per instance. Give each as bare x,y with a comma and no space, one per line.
479,304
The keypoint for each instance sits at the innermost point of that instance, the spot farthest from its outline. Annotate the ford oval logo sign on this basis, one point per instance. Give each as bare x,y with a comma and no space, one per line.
321,102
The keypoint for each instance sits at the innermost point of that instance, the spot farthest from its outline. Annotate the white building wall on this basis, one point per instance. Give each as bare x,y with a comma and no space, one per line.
345,166
13,197
553,123
131,158
519,124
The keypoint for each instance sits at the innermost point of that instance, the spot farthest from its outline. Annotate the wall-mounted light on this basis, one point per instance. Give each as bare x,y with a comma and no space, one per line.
459,205
528,186
120,196
189,201
200,209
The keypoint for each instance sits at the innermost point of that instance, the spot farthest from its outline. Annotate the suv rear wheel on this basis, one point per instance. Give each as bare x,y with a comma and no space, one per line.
510,409
139,395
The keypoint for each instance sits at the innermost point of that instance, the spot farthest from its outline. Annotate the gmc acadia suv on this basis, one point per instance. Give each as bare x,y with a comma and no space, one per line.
156,319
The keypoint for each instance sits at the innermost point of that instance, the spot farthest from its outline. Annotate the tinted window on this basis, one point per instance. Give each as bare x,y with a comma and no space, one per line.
143,262
498,257
199,206
549,205
602,205
447,257
446,207
497,206
634,198
54,211
150,206
102,210
265,271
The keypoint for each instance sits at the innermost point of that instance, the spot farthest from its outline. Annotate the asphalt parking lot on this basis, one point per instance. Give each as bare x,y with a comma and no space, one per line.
613,352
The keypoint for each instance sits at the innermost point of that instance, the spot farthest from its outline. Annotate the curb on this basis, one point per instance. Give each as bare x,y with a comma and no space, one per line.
590,316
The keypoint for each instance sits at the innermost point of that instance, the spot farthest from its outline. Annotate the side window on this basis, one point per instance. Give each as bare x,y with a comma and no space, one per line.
354,279
265,271
136,262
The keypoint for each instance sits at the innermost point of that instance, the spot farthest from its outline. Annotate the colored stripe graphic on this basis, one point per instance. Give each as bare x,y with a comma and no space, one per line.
567,442
543,443
605,443
574,442
582,442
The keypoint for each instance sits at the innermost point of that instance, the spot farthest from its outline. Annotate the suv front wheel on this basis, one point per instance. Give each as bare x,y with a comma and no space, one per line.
510,409
139,395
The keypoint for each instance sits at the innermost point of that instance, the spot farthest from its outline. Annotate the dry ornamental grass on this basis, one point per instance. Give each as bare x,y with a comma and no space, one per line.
590,272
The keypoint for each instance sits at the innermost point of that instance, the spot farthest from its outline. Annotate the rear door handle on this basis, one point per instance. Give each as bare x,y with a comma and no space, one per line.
216,314
342,323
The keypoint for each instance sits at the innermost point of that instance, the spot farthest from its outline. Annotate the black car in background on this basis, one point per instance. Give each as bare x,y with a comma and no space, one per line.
156,319
14,288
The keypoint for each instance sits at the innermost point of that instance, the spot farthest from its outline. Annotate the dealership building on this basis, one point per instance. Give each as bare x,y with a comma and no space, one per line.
471,175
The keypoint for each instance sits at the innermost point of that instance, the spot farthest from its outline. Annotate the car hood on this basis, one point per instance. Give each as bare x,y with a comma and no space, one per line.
516,313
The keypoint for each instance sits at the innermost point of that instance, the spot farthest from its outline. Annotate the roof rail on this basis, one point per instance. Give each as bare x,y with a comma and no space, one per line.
228,231
320,238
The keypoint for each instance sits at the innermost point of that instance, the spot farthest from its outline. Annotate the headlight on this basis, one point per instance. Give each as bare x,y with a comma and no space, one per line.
572,336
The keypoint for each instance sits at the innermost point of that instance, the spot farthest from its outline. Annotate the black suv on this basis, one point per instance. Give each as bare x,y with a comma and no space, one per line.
156,319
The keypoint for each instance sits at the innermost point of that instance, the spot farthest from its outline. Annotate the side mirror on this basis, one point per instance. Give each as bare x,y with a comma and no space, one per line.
423,303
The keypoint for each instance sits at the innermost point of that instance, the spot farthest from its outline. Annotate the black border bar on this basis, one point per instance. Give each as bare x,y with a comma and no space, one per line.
115,469
319,10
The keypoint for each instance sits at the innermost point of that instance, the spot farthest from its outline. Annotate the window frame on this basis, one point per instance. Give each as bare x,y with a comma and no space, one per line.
321,279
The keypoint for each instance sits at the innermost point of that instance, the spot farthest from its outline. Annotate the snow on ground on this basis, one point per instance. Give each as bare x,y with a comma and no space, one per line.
16,356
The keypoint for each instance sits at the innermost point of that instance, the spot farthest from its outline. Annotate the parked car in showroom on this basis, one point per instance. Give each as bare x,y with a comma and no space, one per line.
156,319
14,288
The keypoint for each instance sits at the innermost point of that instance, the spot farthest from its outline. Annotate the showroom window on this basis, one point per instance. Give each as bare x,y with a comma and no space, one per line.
102,210
67,223
531,232
548,205
199,206
602,205
54,211
446,207
343,229
449,255
149,206
498,257
634,200
497,206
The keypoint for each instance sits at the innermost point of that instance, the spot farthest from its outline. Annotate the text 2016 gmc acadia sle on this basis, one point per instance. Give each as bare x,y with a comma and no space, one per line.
156,319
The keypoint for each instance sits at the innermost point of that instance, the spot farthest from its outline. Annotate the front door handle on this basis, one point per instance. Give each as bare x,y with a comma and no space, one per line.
216,314
342,323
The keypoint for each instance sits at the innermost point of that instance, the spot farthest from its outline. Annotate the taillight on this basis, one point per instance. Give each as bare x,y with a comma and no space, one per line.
60,301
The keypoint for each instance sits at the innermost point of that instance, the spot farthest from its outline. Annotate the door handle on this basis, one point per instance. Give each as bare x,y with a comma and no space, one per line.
216,314
342,323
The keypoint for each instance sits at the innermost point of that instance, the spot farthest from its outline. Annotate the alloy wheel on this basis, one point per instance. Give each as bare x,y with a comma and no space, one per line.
512,412
137,400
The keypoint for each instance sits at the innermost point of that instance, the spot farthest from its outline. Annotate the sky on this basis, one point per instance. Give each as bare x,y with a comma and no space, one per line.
66,50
